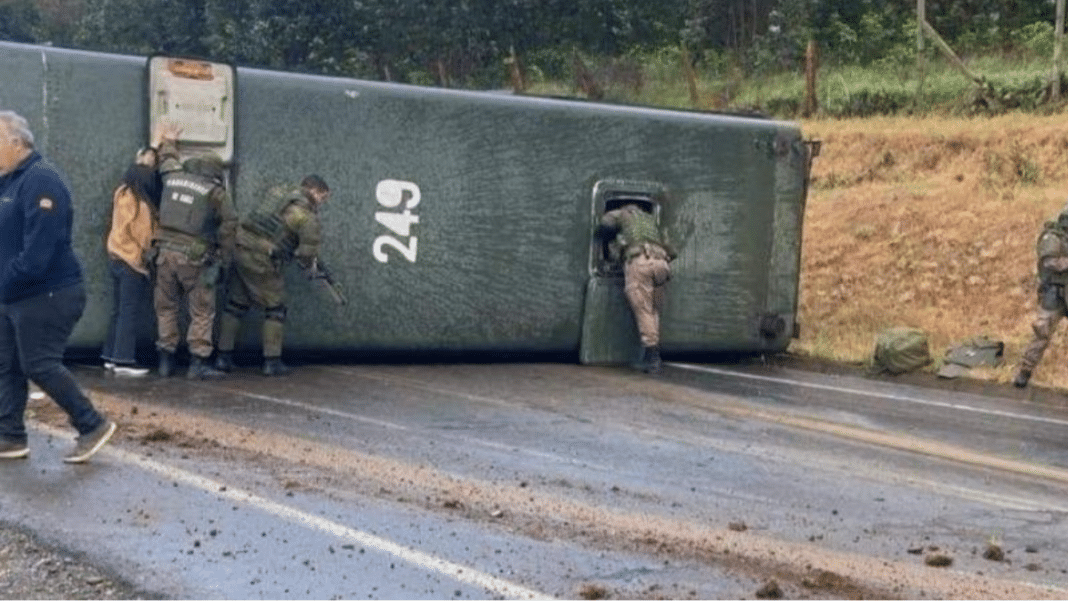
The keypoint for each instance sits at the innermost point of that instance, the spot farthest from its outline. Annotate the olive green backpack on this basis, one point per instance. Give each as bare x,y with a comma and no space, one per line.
898,350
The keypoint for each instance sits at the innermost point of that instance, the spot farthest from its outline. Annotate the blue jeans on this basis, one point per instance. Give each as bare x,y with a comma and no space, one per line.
33,336
130,291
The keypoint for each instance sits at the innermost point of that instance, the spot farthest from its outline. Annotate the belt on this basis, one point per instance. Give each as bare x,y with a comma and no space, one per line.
195,251
648,250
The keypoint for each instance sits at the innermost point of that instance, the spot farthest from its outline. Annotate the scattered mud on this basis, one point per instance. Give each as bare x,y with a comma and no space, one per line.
540,512
938,560
994,553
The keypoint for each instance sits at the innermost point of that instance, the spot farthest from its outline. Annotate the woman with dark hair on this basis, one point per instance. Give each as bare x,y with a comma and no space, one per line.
135,204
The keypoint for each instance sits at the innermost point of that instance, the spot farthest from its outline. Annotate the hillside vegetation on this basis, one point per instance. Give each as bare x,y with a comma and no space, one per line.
930,223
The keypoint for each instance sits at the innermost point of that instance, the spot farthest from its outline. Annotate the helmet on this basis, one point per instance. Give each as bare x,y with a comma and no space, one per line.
208,165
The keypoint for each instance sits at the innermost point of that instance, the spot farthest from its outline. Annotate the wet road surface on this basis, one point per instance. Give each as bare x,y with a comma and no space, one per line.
553,480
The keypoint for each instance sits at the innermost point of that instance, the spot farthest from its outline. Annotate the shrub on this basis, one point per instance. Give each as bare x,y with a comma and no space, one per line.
1036,38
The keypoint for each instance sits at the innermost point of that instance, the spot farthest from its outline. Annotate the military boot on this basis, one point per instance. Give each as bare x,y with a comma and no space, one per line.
1022,378
651,361
199,369
273,366
166,364
224,361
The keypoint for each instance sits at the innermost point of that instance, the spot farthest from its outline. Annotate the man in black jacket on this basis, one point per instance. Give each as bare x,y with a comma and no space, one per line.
41,295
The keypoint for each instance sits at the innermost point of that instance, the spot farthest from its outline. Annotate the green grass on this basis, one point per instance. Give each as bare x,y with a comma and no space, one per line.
886,88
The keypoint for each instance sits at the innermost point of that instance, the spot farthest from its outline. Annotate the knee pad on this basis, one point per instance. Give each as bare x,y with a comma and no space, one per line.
235,309
275,313
1042,329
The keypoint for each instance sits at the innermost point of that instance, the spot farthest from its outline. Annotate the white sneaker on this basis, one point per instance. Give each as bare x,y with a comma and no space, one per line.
109,366
129,371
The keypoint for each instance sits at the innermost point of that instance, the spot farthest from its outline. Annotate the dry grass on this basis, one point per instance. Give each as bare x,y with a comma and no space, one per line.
930,223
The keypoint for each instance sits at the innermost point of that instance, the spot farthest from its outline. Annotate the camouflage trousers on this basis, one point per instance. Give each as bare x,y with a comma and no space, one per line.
644,279
254,283
178,279
1044,326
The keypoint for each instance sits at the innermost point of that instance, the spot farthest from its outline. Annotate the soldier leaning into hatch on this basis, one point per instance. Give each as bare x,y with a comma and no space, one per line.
1052,251
647,257
195,244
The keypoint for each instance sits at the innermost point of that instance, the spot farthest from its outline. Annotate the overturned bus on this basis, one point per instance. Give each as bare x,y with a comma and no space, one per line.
459,221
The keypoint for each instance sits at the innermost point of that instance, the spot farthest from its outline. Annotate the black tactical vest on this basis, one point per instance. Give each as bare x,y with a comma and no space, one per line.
185,205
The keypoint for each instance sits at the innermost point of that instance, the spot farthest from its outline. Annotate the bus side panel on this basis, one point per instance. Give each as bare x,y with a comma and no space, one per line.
87,115
498,257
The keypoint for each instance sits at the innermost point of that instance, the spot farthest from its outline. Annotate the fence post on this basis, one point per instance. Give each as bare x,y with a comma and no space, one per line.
515,69
691,78
1055,85
584,79
921,18
812,65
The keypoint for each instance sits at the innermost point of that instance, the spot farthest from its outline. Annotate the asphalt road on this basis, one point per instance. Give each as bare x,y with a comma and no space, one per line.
555,480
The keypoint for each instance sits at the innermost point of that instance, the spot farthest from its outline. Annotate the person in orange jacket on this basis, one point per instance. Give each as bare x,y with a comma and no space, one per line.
134,210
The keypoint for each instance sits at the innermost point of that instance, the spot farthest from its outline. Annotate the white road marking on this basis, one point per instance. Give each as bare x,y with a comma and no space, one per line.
310,407
1008,502
419,559
882,395
511,448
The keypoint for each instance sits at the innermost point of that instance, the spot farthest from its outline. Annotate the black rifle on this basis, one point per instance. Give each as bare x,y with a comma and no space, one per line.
319,273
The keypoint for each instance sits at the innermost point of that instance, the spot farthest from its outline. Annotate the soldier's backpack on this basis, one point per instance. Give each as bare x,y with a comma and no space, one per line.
898,350
980,351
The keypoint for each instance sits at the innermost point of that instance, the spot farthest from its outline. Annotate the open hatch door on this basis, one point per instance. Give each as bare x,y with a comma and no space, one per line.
198,96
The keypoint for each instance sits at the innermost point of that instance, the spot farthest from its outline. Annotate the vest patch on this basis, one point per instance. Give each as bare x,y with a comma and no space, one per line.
197,186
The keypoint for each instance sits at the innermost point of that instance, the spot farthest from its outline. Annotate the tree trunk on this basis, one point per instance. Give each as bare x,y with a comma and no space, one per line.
952,56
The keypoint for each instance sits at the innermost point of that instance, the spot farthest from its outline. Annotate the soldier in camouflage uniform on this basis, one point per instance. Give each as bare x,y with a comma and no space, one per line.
283,228
646,270
1052,251
195,244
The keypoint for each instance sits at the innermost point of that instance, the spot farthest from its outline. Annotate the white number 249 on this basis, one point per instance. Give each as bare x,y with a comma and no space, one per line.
392,194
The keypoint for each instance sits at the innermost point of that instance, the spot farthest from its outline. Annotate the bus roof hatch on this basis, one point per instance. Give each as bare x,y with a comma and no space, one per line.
198,96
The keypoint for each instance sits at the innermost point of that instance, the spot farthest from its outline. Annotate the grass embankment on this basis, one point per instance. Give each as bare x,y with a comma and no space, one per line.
888,87
930,223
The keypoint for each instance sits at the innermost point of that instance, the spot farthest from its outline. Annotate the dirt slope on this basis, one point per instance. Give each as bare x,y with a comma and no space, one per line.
930,223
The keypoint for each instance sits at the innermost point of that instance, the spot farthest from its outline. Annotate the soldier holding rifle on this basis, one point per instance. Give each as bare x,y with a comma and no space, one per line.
284,227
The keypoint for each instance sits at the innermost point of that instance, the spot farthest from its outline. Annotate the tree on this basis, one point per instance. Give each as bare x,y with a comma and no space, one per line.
19,20
143,26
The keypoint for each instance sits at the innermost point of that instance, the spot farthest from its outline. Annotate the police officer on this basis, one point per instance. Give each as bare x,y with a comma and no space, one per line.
284,227
647,258
195,243
1052,251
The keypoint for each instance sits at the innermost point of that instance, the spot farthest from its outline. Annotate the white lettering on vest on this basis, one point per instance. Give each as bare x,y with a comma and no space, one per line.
198,187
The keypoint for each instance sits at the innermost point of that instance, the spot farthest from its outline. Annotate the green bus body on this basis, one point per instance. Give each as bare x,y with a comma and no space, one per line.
460,221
